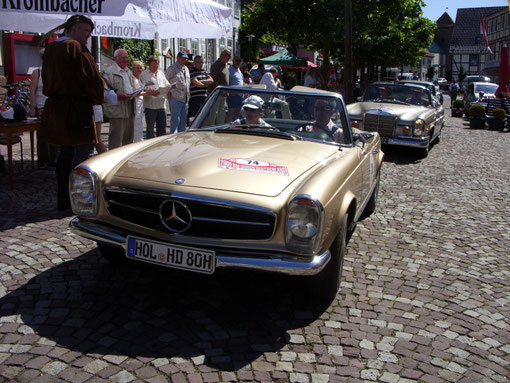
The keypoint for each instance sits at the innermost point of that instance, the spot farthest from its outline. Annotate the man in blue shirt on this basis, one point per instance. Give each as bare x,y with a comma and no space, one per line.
235,79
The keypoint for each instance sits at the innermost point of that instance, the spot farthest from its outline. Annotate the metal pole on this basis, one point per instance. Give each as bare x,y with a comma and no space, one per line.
98,52
348,89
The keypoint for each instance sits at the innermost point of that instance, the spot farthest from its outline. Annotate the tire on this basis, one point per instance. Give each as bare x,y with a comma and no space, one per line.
372,202
324,286
424,152
113,254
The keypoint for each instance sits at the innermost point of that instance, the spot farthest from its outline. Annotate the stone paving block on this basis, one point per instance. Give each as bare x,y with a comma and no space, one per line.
423,294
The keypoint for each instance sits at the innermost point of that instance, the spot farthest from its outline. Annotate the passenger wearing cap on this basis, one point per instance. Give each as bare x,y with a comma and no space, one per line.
252,107
72,83
178,77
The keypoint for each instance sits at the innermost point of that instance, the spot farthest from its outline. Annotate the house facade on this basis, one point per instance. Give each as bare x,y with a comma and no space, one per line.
467,46
498,33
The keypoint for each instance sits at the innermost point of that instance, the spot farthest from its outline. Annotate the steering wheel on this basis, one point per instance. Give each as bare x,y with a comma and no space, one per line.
300,128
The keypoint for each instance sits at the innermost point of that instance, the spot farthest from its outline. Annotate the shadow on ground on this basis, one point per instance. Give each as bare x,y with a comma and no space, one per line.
401,155
91,306
33,199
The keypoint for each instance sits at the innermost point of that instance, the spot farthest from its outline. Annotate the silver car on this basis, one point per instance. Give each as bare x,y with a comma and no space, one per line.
404,115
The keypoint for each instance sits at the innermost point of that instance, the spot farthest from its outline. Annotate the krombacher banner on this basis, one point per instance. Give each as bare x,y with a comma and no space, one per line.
89,7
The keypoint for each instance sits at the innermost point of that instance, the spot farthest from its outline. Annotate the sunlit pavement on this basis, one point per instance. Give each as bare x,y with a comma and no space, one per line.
425,294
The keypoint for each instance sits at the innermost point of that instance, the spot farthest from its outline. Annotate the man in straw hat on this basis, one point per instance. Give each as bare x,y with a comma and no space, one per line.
72,83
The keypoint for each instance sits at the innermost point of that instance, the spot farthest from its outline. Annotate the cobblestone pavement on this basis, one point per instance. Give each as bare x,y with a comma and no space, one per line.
425,294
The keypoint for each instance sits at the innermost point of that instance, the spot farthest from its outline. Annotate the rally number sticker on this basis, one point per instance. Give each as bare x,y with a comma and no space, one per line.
252,165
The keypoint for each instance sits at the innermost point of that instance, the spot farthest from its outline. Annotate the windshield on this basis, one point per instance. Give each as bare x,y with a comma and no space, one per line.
486,88
398,94
279,114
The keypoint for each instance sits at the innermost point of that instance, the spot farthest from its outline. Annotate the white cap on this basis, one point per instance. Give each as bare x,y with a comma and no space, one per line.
253,102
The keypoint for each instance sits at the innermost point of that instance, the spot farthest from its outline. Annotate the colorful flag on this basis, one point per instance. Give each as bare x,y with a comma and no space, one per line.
485,34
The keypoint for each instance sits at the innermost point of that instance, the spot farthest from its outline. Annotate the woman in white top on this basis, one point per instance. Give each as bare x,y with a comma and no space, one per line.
137,69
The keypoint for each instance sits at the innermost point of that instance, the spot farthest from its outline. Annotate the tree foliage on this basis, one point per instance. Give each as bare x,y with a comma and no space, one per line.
386,33
136,49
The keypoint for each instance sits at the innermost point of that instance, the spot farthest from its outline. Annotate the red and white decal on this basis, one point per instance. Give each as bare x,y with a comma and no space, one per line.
252,166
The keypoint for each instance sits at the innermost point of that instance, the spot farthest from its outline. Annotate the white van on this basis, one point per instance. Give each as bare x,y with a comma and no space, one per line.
405,76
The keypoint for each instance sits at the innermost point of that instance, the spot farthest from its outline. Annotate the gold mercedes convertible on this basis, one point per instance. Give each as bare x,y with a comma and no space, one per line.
263,179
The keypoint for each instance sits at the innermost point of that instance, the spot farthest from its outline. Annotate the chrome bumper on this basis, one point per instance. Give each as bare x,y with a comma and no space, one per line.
275,262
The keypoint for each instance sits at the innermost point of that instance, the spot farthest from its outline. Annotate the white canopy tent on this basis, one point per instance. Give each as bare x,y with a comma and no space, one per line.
137,19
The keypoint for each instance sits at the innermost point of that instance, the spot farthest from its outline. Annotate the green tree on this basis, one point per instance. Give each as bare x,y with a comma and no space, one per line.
136,49
295,22
389,34
385,32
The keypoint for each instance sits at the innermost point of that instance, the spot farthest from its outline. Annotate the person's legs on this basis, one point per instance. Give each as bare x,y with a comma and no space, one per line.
160,122
175,114
62,170
128,130
150,120
43,152
82,153
184,117
115,133
68,158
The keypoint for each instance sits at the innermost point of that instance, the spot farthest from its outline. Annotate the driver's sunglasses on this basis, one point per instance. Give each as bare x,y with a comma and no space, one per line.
323,108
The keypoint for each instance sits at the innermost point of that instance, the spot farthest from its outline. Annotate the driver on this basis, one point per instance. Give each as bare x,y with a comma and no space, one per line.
417,98
322,112
384,93
252,108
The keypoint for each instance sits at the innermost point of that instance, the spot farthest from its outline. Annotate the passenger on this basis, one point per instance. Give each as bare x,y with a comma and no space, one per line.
252,108
270,79
480,97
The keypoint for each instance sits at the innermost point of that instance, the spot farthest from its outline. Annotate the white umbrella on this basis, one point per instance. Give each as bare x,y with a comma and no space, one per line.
140,19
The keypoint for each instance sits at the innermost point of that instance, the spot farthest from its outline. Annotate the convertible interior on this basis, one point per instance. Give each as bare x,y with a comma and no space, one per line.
292,113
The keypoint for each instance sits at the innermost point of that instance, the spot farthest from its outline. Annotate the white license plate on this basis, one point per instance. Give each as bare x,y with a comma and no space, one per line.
178,257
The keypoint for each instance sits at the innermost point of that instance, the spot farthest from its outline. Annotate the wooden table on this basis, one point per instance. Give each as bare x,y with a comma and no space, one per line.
10,128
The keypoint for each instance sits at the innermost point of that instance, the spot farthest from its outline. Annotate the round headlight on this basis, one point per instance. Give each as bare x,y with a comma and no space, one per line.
419,127
304,221
83,192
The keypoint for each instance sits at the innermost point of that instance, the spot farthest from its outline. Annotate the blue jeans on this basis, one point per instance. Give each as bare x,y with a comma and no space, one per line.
158,117
178,115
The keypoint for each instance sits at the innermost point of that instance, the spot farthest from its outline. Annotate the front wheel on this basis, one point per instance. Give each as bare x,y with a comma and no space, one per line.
424,152
324,286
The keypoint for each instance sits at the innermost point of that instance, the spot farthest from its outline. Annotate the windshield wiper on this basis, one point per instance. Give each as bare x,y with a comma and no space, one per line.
258,130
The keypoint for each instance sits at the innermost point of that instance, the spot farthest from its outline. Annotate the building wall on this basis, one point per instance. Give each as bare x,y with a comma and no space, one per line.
209,49
498,33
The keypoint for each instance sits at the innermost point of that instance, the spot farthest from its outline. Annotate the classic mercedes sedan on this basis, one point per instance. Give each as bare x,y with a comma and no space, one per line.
403,114
263,180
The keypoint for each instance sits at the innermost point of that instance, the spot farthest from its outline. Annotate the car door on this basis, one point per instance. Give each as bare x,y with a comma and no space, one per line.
368,151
